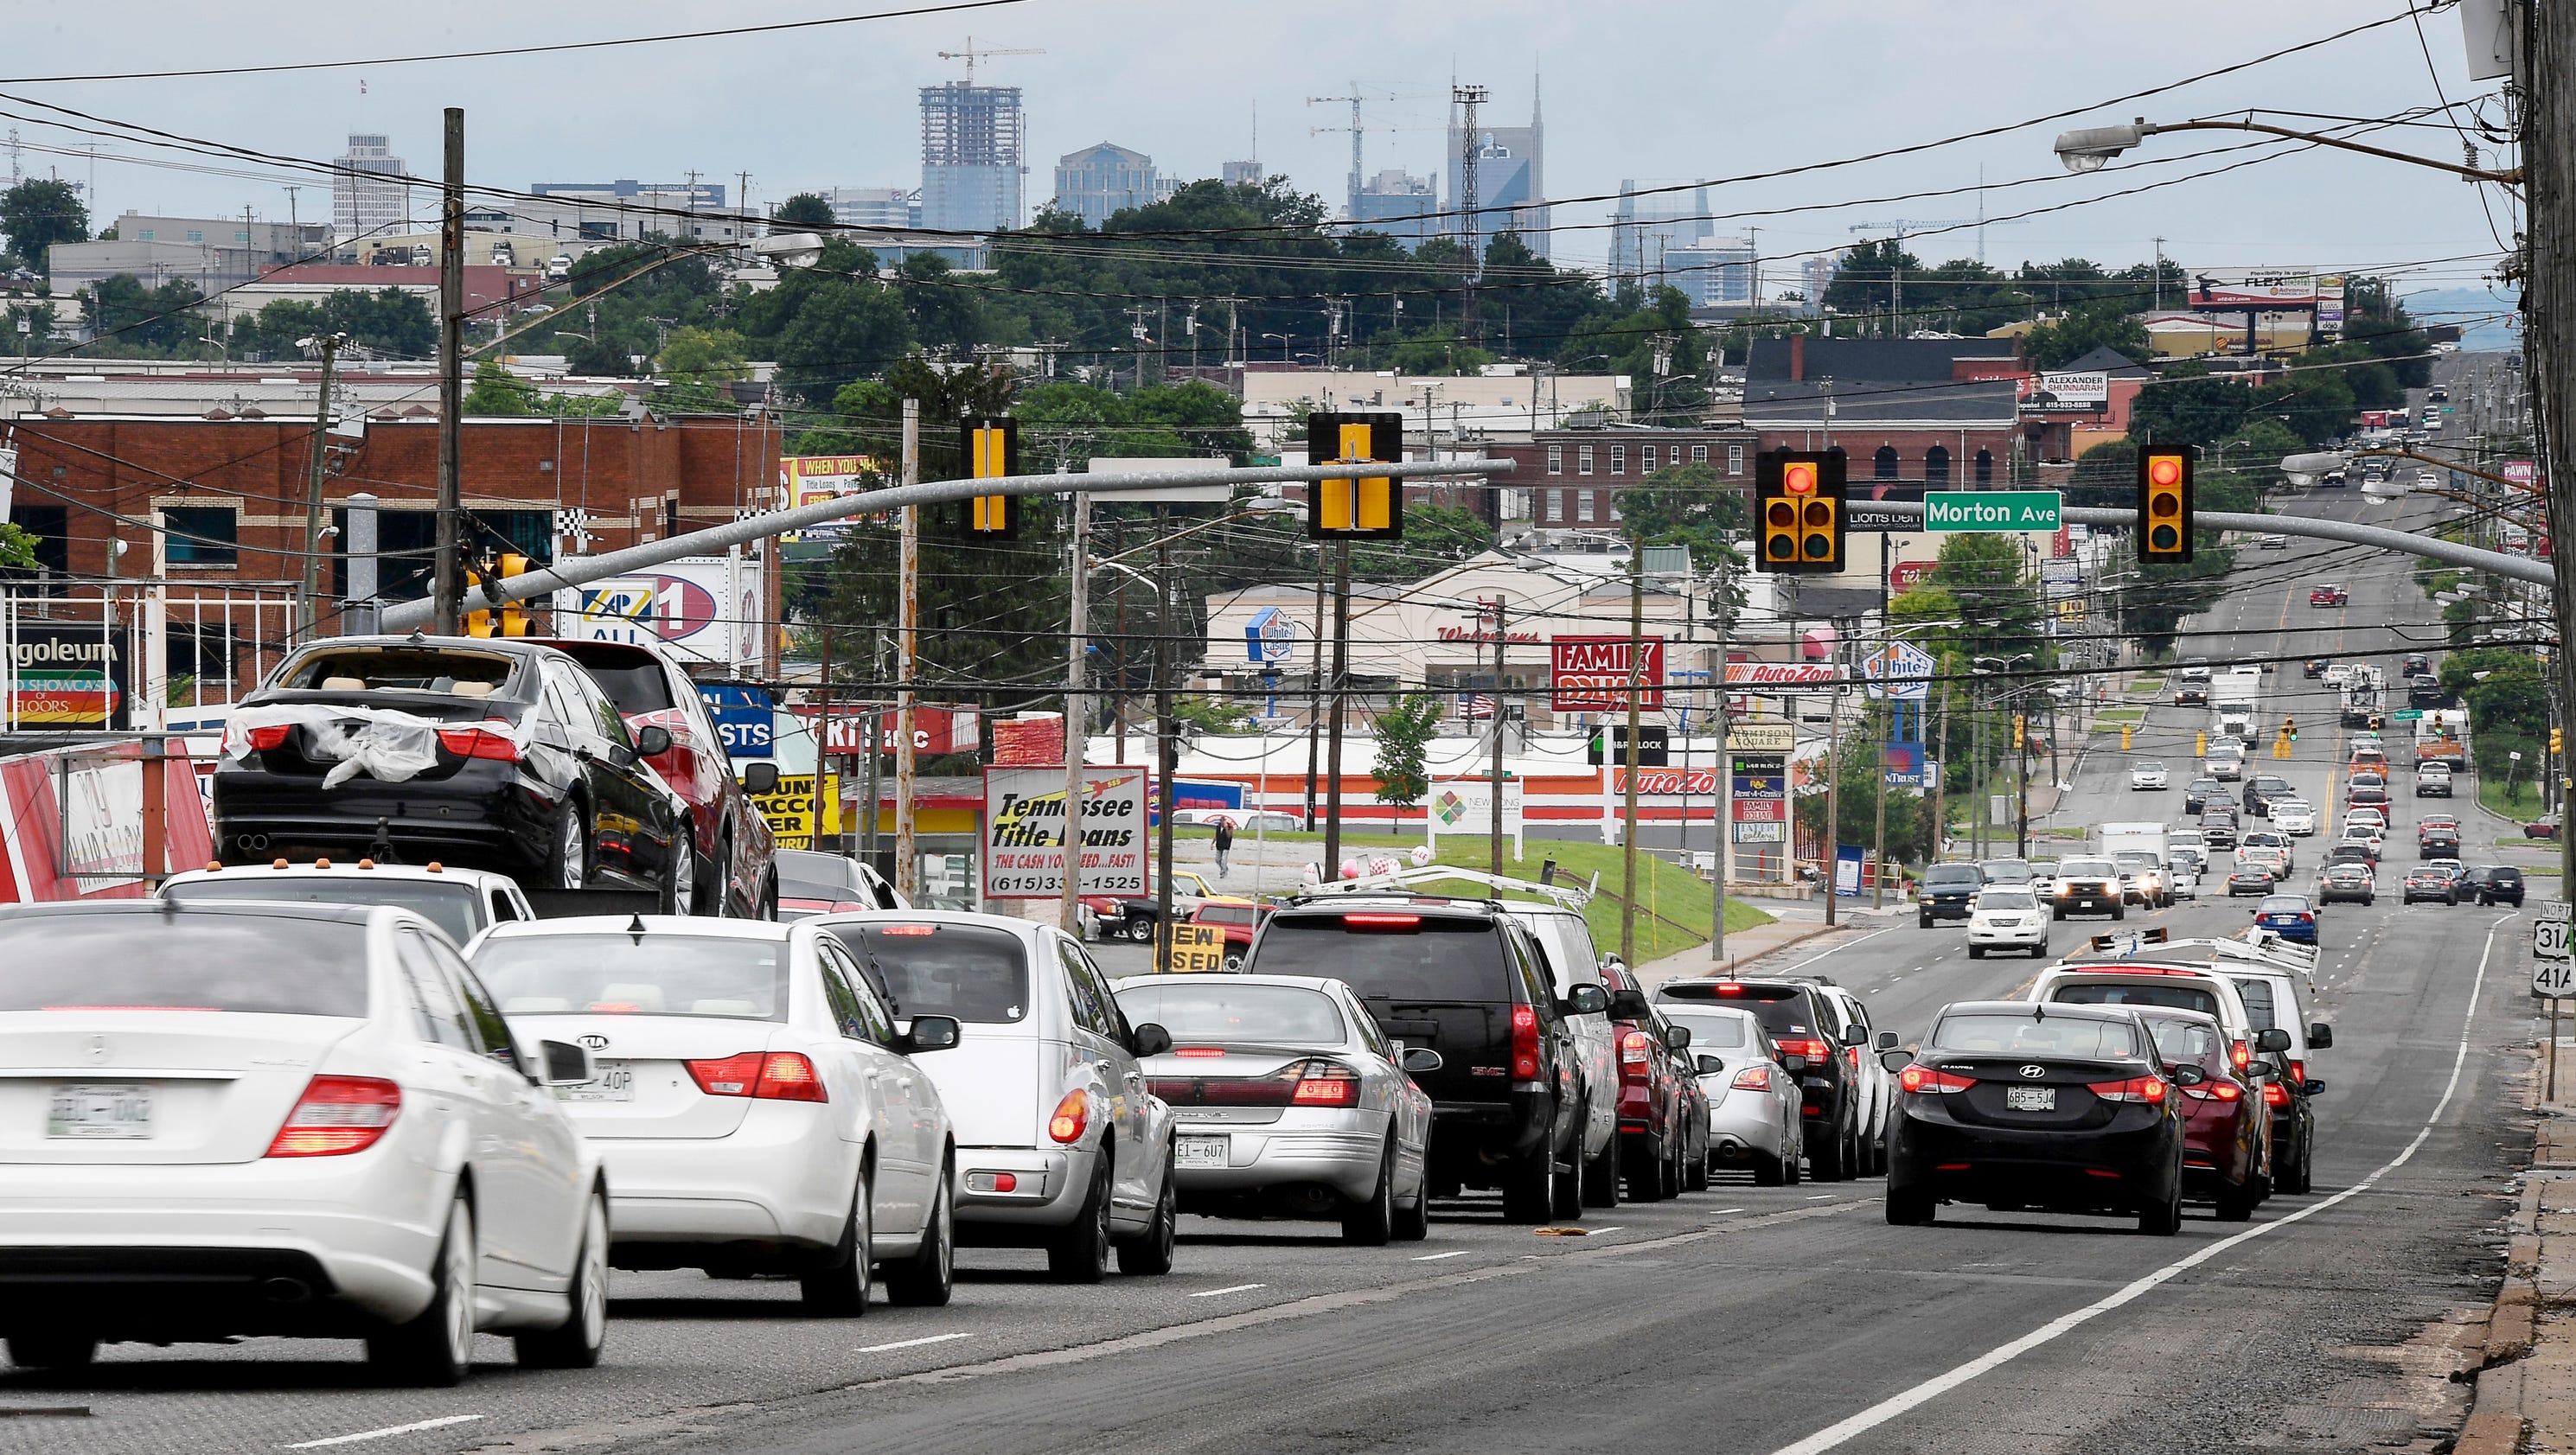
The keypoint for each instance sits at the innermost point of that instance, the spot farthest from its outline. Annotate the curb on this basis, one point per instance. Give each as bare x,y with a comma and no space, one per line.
2495,1425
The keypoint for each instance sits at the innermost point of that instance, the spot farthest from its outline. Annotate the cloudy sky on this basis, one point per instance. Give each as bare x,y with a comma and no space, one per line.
1655,90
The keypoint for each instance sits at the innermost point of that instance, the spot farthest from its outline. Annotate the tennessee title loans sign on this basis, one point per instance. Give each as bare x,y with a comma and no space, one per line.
1024,832
1590,674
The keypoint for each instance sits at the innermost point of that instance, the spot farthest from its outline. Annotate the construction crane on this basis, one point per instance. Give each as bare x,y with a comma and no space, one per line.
1356,129
1903,225
969,54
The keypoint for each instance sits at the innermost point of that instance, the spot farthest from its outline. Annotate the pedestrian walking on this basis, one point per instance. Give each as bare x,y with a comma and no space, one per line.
1224,844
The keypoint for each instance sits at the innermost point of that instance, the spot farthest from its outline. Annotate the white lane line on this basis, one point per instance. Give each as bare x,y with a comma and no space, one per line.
1836,950
1238,1288
1436,1257
1842,1431
911,1343
1820,1197
439,1423
1613,1228
1723,1211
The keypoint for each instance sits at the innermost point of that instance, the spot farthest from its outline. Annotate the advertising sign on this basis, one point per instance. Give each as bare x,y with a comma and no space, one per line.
102,819
1760,810
2268,290
1197,949
1762,833
1271,636
1900,670
934,729
1904,576
2520,472
1590,674
2073,391
705,608
745,717
1902,764
1783,678
1667,782
1024,832
1992,510
1848,859
1859,516
1466,806
1760,737
796,812
811,479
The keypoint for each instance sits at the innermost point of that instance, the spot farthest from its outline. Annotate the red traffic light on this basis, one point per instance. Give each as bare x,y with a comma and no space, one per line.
1798,477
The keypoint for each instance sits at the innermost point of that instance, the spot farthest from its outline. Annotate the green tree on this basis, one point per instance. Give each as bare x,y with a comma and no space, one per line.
1434,536
829,325
1404,730
17,547
701,364
498,391
388,321
1865,281
39,212
805,209
1438,351
274,331
127,317
946,313
2107,324
1684,505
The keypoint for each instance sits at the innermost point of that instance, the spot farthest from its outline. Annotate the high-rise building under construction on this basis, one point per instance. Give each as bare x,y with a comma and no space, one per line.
972,140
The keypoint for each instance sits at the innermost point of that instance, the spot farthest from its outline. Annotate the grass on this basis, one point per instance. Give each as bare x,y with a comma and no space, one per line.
2147,687
2115,718
2522,805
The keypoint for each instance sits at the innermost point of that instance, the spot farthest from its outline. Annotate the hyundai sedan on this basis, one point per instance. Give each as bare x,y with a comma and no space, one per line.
2288,915
2148,777
2294,816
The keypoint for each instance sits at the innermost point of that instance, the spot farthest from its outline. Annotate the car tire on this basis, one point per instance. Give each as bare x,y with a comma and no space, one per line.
679,892
435,1350
2039,951
1771,1171
1140,929
52,1351
1413,1219
2119,911
1695,1171
1976,952
839,1286
577,1342
928,1278
1529,1188
1234,962
1909,1207
2236,1204
1149,1254
1601,1176
570,866
1080,1252
2165,1218
2056,915
1793,1163
1923,922
1829,1165
2296,1175
1370,1222
1645,1170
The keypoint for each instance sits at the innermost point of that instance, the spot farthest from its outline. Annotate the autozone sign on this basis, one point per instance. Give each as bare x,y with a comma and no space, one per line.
1783,677
1591,674
1670,782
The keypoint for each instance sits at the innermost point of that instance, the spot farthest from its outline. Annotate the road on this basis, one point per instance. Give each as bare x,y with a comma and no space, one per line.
1745,1319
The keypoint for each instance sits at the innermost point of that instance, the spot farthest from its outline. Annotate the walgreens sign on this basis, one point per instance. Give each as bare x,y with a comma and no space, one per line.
1591,674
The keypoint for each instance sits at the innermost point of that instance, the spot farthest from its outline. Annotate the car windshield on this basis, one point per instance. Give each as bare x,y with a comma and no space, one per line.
2179,1041
1710,1031
623,974
451,907
635,686
254,964
1271,1015
2006,899
401,669
2093,868
2151,767
2140,992
977,974
2023,1035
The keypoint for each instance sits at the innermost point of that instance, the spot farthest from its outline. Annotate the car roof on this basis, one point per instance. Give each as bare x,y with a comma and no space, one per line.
696,926
965,918
479,879
174,909
2035,1009
1324,983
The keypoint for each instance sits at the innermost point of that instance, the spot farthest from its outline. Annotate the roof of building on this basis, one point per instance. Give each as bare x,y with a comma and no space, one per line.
1777,402
2106,360
1872,358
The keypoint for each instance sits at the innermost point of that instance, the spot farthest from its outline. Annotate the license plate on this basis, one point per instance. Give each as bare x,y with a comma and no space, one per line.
616,1083
2031,1098
100,1111
1202,1152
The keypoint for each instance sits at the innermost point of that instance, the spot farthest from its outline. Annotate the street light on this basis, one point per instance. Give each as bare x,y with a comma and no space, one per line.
1283,345
2089,149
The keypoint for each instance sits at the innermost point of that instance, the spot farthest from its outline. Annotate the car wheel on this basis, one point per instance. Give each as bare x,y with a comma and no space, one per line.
1923,922
436,1349
1828,1164
2294,1177
1080,1253
1976,952
1413,1219
2039,951
51,1351
2056,915
1370,1222
1140,929
1643,1167
1234,962
1566,1192
1601,1176
2119,911
679,892
1529,1187
1695,1172
2165,1218
929,1277
571,866
577,1342
2236,1204
1770,1171
1149,1254
839,1287
1793,1162
1908,1207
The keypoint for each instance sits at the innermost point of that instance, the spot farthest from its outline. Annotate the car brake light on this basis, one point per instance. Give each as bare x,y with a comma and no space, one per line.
1199,1051
1382,921
2214,1091
2240,1054
1752,1078
2275,1094
761,1075
907,929
264,738
1634,1049
481,742
1072,1116
1813,1050
337,1115
1326,1083
1730,989
1932,1080
2147,1089
1524,1043
2298,1070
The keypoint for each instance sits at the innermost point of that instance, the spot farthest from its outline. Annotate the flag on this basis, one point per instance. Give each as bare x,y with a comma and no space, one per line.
1473,705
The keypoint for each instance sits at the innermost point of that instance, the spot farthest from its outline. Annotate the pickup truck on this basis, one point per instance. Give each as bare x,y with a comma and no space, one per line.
1117,917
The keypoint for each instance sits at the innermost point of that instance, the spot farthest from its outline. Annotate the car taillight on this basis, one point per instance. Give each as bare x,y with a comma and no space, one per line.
481,742
2239,1054
337,1115
1752,1078
1072,1116
761,1075
1200,1052
1524,1043
1635,1049
2147,1089
1813,1050
1326,1083
2275,1094
2214,1091
2298,1070
1931,1080
261,739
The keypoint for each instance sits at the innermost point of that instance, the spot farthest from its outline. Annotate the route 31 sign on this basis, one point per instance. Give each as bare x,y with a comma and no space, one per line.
2554,973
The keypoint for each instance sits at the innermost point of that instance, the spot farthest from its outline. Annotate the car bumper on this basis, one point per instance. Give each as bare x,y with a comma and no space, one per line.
484,814
1339,1150
783,1176
1942,909
2025,936
1466,1135
1743,1125
1051,1186
2088,902
2130,1164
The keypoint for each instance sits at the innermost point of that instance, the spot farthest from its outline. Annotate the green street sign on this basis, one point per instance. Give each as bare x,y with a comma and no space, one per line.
1991,510
2407,714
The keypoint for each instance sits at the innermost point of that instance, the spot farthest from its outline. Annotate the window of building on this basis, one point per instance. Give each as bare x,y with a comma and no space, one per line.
196,235
241,237
1583,459
1583,507
203,535
1646,459
1985,467
1555,504
1936,466
50,525
1734,457
1556,459
1618,459
1884,463
1611,503
144,236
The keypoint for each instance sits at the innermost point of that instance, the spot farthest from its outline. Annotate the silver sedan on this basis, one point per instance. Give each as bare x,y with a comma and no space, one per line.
1753,1097
1289,1102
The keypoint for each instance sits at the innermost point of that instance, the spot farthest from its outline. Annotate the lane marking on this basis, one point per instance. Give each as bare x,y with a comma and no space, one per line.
1436,1257
1723,1211
1238,1288
1842,1431
440,1423
1819,1197
1836,950
1613,1228
911,1343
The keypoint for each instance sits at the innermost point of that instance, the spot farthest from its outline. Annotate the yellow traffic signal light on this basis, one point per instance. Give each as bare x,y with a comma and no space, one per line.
510,619
1368,508
2164,504
992,450
2018,725
1798,505
2554,739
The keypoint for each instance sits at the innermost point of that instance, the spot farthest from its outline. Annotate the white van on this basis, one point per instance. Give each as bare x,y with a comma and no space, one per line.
1566,939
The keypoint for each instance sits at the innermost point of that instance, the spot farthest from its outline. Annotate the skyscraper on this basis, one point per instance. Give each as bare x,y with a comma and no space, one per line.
1510,174
971,164
1103,180
369,194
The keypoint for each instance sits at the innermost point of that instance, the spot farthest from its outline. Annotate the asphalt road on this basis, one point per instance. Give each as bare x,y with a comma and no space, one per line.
1744,1319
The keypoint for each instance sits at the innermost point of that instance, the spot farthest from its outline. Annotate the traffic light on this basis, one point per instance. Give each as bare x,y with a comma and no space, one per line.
2019,722
510,619
1798,499
2164,504
1369,508
2554,740
992,450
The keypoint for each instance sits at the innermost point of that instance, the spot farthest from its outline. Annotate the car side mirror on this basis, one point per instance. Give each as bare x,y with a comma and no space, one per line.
1586,999
2257,1071
2312,1088
1894,1059
1677,1038
760,779
1708,1065
652,742
2320,1036
1149,1039
1420,1060
1855,1035
562,1063
2188,1075
1613,959
933,1033
2275,1039
1887,1040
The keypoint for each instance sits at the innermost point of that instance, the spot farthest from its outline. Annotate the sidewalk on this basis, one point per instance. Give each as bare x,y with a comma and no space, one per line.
2525,1398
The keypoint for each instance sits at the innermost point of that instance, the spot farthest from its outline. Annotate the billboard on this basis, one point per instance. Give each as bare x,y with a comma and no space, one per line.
1779,678
2330,304
1024,832
705,608
810,479
2267,290
1590,674
2090,390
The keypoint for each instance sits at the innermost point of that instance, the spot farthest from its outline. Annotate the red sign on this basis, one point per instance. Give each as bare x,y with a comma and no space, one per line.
1669,782
1761,810
1783,677
1590,674
1904,576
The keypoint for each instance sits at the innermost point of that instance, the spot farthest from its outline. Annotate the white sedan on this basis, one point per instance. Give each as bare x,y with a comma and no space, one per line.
239,1119
2008,919
2148,776
2294,816
756,1103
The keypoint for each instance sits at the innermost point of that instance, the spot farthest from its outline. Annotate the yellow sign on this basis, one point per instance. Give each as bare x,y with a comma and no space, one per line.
791,811
1197,949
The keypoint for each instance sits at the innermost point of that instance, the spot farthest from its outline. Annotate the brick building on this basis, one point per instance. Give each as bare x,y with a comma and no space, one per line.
1573,476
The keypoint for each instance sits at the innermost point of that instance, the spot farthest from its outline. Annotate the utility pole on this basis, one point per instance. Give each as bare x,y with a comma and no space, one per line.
1940,784
1167,740
1315,678
1721,616
448,579
824,790
1831,850
2021,790
1341,681
1495,859
907,862
1077,723
2548,263
310,618
1636,680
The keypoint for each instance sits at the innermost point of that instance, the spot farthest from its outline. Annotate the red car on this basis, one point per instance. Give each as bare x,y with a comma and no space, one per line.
2329,596
1238,918
1656,1136
2227,1127
729,840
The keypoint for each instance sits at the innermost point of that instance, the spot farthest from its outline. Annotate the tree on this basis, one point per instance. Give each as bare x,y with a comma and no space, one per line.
1404,730
946,314
388,321
700,364
126,317
1438,351
274,331
498,391
17,547
829,325
2107,324
1434,536
1865,281
1684,505
39,212
805,209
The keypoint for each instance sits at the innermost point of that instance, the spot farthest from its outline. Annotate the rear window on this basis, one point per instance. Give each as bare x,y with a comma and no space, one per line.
1227,914
401,669
2257,995
654,974
2504,876
2187,1041
451,907
2021,1035
2165,993
978,975
1782,1009
254,964
634,687
1709,1032
1391,955
1271,1015
804,874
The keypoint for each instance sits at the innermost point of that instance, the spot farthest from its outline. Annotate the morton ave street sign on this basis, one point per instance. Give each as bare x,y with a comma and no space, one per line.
1991,510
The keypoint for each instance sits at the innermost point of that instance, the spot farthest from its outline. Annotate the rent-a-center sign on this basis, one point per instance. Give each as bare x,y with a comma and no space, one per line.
1590,674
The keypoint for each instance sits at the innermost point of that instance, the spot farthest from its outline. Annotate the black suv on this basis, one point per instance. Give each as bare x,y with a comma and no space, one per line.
2494,884
2426,691
1947,888
2416,665
2261,790
1802,1029
1465,979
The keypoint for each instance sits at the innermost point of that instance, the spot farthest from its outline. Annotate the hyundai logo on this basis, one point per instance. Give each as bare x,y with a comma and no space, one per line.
595,1041
2034,1072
